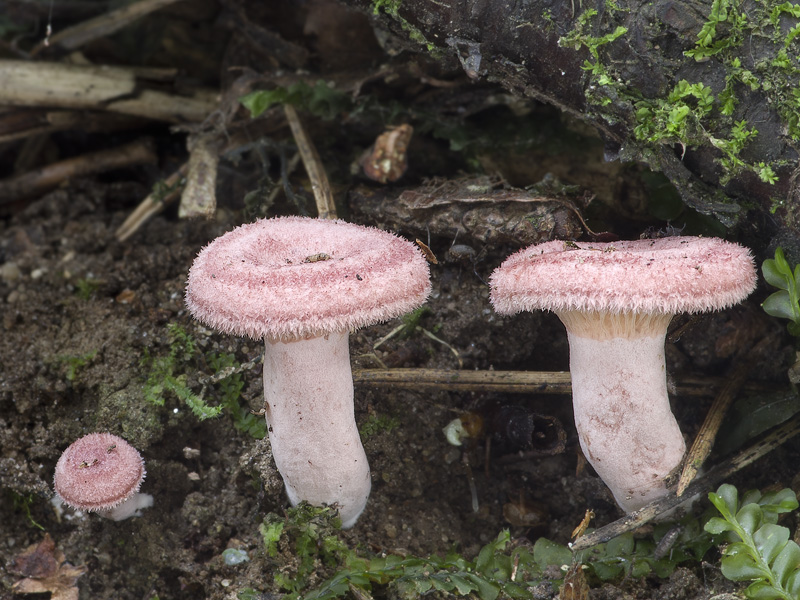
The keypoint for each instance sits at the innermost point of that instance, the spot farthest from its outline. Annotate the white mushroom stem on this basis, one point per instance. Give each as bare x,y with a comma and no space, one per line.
132,507
308,397
622,411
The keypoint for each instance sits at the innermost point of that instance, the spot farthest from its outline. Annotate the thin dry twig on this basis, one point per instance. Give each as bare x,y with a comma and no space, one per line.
74,37
704,441
155,202
37,182
514,382
316,171
765,444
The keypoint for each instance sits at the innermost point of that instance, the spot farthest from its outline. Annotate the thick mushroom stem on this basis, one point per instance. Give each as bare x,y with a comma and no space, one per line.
622,411
308,398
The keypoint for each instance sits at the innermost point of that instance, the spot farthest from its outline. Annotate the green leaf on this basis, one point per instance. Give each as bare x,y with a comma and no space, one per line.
547,553
787,563
781,263
761,590
742,567
621,545
792,584
715,526
770,540
726,500
749,518
773,275
779,305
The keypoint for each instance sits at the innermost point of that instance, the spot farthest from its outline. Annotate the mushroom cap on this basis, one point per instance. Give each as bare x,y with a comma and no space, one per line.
662,276
98,472
295,277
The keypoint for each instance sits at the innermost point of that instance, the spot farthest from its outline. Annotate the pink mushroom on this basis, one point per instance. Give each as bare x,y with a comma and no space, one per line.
302,284
616,301
101,472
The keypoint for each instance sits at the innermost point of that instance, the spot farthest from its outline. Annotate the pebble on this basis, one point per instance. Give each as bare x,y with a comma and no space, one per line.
9,272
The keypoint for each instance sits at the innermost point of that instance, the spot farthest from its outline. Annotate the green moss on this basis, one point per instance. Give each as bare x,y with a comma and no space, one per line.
390,7
377,424
578,38
168,376
84,288
690,114
74,364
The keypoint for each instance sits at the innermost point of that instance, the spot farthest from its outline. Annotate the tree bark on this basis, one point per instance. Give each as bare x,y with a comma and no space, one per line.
606,61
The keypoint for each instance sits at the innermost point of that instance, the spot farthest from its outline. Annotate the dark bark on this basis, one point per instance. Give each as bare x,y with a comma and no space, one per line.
517,45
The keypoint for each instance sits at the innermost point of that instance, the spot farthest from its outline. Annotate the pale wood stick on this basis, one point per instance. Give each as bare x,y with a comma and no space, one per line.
199,197
166,192
37,182
316,171
113,89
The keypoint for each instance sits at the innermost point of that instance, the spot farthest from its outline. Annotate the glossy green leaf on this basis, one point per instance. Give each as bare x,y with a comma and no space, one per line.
761,590
621,545
742,567
726,500
770,540
749,518
779,305
485,590
792,584
781,502
773,275
787,562
716,526
547,553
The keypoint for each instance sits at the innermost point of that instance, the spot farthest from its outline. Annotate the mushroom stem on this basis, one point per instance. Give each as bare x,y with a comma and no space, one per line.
308,399
622,411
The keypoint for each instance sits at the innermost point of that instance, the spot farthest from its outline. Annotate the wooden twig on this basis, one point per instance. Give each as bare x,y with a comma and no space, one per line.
155,202
18,124
701,447
513,382
765,444
199,198
37,182
326,209
113,89
74,37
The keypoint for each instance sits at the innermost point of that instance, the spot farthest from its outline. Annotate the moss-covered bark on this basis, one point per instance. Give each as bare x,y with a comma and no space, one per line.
706,92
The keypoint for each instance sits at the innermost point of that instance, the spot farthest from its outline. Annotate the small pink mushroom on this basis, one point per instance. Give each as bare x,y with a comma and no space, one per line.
302,284
616,301
102,473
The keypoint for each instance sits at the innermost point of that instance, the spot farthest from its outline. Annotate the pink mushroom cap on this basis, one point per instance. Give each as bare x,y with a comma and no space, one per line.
294,277
663,276
98,472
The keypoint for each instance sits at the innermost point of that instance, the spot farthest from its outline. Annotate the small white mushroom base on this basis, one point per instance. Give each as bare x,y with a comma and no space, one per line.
308,398
623,417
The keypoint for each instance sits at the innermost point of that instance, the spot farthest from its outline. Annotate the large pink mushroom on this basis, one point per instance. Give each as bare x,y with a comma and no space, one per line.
616,301
102,473
302,284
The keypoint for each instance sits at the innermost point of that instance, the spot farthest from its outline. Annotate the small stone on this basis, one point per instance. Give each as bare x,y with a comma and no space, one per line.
9,272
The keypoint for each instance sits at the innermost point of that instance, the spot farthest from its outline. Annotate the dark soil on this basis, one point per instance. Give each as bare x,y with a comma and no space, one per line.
420,502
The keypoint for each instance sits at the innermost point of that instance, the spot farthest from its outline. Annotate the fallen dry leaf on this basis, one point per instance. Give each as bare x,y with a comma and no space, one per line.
575,586
44,570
